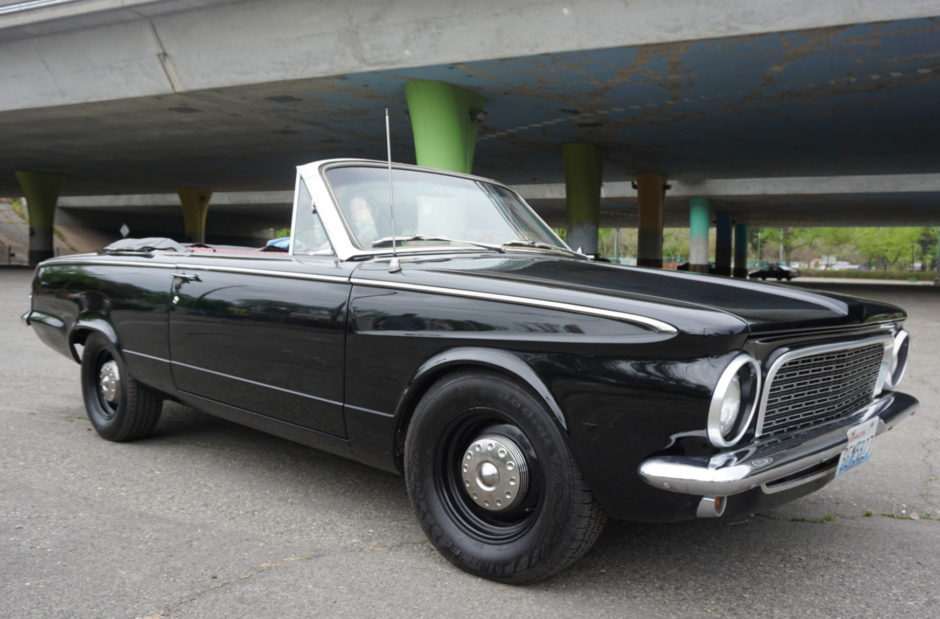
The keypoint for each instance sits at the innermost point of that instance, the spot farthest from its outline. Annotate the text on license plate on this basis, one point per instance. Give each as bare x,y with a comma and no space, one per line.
858,449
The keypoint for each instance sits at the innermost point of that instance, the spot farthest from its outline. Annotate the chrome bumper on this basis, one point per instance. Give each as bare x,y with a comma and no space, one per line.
758,463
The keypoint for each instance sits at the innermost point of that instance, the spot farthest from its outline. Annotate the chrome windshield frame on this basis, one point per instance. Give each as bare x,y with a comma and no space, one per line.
313,175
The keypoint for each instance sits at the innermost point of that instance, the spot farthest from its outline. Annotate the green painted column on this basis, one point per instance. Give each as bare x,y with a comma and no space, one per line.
195,204
699,221
651,199
723,243
41,190
740,250
444,123
584,167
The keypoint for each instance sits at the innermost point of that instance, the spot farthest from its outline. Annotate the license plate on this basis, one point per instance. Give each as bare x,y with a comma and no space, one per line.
858,449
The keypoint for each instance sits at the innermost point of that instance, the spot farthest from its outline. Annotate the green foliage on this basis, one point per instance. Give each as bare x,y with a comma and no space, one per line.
17,207
884,248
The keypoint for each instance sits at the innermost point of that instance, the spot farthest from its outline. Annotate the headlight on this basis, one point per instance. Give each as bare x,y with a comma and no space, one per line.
902,343
730,407
734,401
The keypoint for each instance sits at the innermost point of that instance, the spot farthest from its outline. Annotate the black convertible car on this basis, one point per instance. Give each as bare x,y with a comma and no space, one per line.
430,323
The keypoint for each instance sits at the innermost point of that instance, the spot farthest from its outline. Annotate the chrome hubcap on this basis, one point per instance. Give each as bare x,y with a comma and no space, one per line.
494,472
109,381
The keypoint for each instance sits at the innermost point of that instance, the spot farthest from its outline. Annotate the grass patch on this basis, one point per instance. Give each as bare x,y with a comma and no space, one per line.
914,276
17,207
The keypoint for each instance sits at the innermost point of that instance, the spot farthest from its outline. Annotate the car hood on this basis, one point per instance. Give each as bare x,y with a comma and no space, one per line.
692,302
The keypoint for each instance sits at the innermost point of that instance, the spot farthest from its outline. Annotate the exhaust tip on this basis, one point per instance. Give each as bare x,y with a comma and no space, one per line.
711,507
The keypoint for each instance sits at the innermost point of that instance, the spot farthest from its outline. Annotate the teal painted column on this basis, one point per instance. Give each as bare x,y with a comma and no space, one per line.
444,124
699,219
41,190
651,200
584,166
740,250
723,244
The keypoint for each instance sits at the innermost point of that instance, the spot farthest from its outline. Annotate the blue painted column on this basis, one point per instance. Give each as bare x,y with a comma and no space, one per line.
41,190
723,244
740,250
699,218
584,166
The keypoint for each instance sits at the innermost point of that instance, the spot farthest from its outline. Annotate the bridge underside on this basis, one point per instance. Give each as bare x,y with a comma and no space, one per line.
834,102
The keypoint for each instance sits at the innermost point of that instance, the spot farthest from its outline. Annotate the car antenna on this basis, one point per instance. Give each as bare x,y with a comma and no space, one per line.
394,265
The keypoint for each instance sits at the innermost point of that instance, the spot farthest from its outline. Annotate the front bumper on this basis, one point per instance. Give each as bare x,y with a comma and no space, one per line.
761,463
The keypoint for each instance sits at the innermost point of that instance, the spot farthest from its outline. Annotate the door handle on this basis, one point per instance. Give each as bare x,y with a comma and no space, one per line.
186,277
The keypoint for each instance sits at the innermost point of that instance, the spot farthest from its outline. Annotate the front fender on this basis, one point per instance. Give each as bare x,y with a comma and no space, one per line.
471,356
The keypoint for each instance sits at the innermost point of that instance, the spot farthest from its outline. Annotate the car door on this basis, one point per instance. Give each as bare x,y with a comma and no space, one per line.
266,336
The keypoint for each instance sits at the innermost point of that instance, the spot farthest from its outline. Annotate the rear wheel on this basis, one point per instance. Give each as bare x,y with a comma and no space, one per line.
493,483
119,407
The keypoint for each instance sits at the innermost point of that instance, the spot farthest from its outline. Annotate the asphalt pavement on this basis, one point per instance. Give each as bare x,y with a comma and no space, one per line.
209,519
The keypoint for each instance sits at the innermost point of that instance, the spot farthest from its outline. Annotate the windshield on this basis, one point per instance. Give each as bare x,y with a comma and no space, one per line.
432,209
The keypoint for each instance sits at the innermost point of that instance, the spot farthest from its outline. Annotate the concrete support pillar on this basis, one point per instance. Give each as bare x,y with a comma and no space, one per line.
584,166
740,250
651,196
723,244
699,218
444,121
195,204
41,190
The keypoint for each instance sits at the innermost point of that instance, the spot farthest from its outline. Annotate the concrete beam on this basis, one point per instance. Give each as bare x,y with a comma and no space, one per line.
877,184
103,50
150,200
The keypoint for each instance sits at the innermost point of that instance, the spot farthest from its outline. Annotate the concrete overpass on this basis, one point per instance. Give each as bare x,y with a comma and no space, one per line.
794,112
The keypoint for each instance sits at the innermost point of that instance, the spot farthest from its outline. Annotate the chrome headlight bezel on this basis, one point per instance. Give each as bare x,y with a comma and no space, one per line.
745,370
900,349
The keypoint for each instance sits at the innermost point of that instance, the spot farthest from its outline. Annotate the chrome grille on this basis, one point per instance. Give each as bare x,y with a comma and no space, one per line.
812,388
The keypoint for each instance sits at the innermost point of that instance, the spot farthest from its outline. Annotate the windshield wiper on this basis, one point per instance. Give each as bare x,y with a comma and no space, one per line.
538,245
388,240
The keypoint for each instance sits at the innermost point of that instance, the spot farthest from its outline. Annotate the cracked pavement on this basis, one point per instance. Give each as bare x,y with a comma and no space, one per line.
209,519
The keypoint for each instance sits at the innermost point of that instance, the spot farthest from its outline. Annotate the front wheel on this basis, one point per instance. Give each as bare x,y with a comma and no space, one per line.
119,407
493,483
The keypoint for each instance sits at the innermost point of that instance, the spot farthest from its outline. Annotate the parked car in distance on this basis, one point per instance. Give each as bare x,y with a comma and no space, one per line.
776,271
712,267
429,323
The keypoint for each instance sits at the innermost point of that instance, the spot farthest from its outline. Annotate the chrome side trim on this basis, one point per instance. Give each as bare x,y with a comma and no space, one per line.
207,267
656,325
308,396
145,356
266,272
123,263
885,340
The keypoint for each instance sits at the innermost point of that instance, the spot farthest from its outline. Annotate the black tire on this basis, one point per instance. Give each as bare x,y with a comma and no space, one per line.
546,527
119,407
